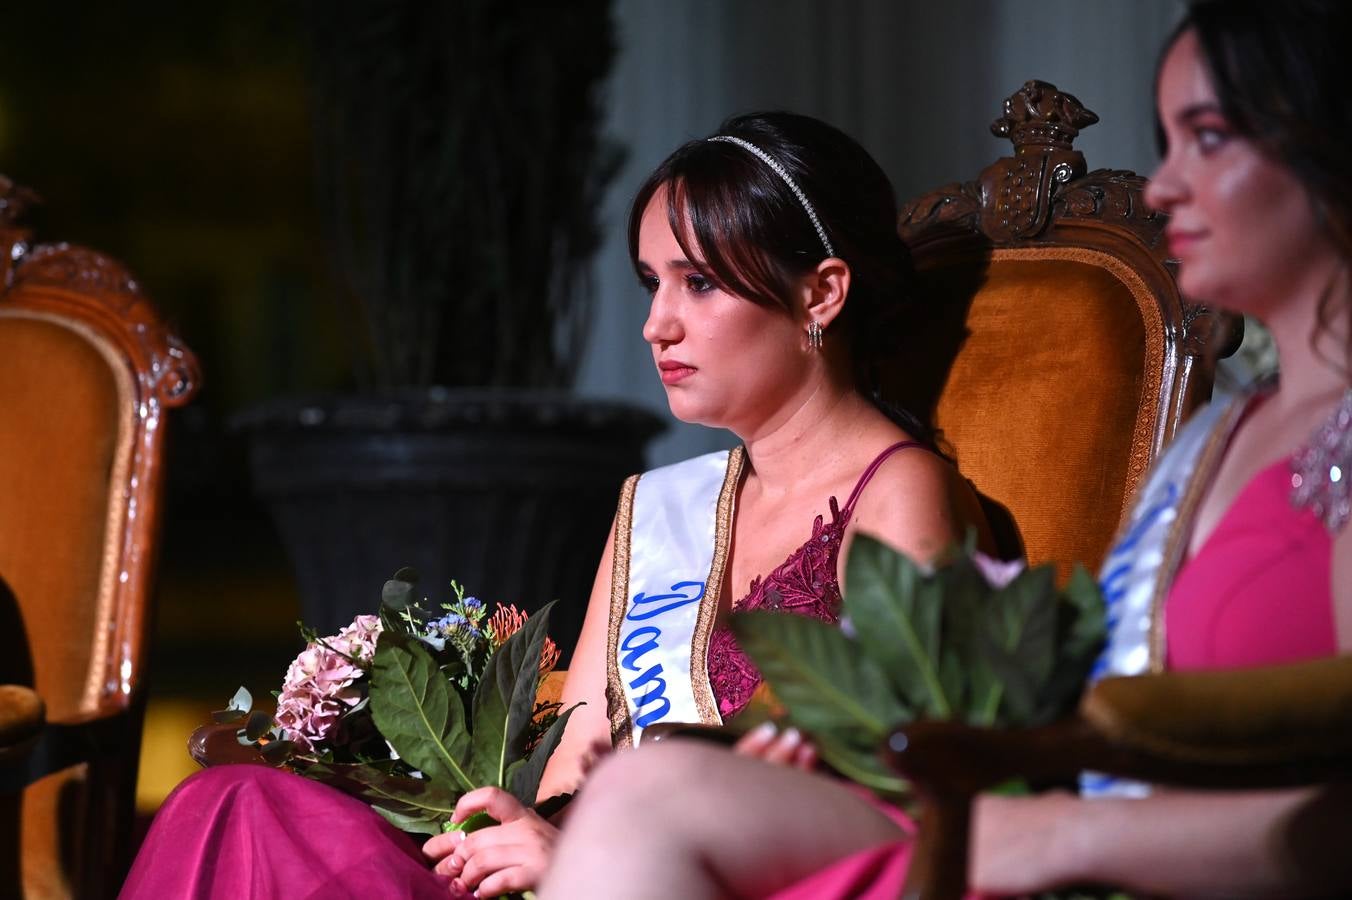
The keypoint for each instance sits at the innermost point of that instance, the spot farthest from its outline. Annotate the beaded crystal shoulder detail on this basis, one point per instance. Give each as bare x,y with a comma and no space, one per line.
1321,471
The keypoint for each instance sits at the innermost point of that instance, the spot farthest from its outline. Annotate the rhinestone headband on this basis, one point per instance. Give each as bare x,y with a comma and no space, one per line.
788,179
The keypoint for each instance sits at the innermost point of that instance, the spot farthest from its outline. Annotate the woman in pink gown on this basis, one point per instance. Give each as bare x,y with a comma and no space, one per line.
1257,130
773,267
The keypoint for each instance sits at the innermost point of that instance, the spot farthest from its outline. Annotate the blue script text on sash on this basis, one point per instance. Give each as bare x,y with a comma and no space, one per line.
639,642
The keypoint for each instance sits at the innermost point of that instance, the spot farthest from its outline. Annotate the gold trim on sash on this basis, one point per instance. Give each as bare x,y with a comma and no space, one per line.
617,708
1180,533
713,591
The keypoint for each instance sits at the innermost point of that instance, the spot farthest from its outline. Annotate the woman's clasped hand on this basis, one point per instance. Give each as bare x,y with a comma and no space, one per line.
509,856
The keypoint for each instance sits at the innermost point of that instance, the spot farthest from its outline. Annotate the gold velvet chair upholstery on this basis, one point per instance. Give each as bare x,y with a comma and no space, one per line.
1056,356
87,375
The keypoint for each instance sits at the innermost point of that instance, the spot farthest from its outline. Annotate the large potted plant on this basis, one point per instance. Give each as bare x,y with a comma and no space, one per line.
460,169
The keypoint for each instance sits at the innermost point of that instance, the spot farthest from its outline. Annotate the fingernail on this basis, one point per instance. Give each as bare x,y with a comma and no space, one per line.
792,736
764,731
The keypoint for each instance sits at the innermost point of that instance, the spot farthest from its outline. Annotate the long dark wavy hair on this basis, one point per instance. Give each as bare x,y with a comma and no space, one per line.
1278,70
738,219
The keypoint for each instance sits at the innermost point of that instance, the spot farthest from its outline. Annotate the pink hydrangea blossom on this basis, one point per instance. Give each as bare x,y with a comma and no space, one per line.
321,683
358,639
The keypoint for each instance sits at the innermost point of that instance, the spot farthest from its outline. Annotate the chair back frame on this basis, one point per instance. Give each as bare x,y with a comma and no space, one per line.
96,298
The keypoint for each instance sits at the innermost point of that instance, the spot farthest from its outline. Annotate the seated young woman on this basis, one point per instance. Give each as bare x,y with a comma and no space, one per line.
1253,495
774,275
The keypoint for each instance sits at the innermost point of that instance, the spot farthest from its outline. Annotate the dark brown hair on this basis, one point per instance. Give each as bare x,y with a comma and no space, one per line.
737,219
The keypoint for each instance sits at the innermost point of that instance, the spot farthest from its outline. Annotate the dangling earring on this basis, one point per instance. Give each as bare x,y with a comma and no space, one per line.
814,335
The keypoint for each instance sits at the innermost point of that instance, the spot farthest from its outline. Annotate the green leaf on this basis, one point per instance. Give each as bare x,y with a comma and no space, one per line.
970,685
1020,642
398,592
819,674
476,821
278,752
504,701
896,612
417,711
862,766
413,804
524,780
1081,627
410,824
259,724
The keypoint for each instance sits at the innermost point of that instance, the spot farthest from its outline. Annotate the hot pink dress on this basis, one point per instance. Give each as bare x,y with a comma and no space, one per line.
253,831
1258,592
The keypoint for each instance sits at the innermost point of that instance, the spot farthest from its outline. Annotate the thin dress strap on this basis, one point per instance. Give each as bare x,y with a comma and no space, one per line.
870,472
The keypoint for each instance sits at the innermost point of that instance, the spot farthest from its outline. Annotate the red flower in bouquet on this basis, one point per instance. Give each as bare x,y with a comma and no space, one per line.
506,622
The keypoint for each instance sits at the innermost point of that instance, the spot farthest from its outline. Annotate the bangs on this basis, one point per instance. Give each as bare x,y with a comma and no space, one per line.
719,234
727,213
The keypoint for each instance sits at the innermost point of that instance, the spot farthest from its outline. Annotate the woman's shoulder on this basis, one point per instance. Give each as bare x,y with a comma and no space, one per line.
915,501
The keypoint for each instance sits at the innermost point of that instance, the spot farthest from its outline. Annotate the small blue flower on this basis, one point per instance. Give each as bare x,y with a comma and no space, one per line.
447,623
473,603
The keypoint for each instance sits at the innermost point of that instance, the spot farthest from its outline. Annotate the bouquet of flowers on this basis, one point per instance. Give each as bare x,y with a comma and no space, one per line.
973,639
411,708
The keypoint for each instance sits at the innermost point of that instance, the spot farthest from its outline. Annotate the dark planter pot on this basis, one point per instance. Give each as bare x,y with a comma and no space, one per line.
510,493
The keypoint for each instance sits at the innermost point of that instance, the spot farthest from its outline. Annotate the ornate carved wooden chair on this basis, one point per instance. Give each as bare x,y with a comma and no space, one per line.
1058,357
87,374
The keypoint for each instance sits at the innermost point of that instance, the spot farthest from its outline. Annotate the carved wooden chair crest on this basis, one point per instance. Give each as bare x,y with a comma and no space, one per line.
87,374
1057,356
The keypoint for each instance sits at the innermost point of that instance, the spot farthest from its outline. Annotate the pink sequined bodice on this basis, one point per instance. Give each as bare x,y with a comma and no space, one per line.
805,584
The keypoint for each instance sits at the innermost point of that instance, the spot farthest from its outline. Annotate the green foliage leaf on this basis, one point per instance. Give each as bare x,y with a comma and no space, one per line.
1019,640
278,752
524,780
259,724
896,612
942,644
504,701
398,592
1081,622
417,710
415,805
861,763
410,824
819,674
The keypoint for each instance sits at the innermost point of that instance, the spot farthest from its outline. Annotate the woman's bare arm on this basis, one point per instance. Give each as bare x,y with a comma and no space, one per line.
588,730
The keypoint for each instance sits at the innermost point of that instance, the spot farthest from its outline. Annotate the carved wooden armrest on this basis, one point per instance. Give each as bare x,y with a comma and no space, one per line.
718,734
1299,714
22,715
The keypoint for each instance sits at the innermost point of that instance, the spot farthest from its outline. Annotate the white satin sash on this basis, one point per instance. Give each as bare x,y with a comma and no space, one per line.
1141,566
671,545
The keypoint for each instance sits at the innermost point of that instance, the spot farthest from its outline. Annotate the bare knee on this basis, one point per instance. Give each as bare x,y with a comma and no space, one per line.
656,783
